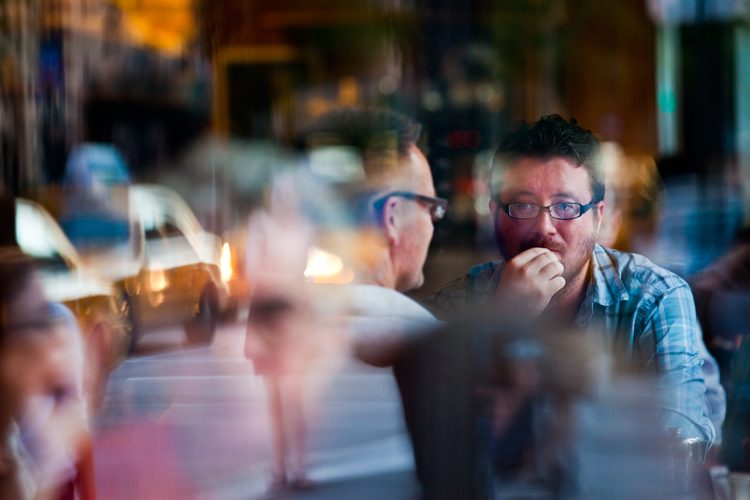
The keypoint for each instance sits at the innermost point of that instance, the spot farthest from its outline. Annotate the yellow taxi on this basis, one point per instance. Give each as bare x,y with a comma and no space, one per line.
153,248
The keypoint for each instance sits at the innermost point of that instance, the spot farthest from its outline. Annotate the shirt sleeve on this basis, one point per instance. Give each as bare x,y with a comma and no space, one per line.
715,399
669,345
448,301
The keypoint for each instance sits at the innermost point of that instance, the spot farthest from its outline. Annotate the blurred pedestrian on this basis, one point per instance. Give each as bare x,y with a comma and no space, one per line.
722,298
280,330
45,439
373,163
390,196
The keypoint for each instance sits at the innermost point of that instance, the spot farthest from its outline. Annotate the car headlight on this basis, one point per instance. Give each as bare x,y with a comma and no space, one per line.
225,263
326,267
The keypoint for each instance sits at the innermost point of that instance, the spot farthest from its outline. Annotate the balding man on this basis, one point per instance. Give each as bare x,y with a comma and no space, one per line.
394,201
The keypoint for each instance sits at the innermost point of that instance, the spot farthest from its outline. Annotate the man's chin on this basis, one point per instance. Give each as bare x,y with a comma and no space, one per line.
419,281
414,285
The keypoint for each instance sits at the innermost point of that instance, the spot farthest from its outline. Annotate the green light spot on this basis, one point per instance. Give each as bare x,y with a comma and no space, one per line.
667,101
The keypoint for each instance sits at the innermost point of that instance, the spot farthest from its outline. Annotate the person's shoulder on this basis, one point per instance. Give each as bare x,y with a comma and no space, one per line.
477,275
638,271
730,271
373,300
455,296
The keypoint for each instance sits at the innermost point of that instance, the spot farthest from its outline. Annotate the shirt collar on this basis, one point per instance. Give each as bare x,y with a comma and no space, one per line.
606,286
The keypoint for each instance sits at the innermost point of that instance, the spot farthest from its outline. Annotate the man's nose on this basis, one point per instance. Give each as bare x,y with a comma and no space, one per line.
545,224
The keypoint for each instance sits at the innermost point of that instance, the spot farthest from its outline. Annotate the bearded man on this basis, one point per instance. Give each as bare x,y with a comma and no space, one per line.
547,187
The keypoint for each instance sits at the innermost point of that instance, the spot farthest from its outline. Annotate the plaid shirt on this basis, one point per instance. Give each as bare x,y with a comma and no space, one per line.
646,311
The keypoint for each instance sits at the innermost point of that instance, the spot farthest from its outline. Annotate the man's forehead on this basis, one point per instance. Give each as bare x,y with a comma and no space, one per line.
419,170
554,177
412,173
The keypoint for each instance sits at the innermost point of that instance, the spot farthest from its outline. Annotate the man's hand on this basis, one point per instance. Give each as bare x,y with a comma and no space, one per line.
529,281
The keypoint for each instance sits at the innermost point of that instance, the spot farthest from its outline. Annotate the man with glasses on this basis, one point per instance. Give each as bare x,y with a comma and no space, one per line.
393,177
547,187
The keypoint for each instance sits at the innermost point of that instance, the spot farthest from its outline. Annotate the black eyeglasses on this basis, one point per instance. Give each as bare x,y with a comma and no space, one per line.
560,211
436,206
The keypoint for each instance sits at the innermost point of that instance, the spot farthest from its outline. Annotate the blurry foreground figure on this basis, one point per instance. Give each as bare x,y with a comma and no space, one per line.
722,298
280,331
505,410
46,450
370,159
547,189
391,198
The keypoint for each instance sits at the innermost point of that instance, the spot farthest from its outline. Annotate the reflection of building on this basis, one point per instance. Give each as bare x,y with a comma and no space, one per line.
111,73
279,64
464,69
655,76
18,107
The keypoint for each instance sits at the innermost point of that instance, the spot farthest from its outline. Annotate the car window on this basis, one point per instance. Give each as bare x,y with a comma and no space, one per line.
37,237
95,221
158,220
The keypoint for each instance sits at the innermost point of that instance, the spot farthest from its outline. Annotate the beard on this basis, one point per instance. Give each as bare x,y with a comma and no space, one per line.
573,259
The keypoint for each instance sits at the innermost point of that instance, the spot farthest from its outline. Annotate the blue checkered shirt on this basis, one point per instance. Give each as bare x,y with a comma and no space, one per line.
645,310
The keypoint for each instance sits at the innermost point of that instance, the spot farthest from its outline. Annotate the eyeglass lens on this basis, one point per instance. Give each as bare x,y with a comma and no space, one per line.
561,211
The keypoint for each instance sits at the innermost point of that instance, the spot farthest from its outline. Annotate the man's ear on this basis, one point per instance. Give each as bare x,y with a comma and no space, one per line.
393,219
599,207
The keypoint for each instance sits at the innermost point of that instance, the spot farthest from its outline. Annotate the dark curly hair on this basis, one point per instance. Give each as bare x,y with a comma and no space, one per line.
551,137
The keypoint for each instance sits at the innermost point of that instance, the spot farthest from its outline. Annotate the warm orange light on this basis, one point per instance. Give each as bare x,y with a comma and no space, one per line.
166,25
225,263
325,267
348,91
157,280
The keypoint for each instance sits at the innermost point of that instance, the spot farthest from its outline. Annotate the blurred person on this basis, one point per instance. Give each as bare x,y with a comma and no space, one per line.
390,203
722,297
280,336
613,158
394,205
46,452
722,293
635,189
700,212
547,188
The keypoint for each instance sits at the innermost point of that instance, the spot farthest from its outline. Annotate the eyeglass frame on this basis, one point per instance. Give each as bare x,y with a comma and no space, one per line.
582,209
440,204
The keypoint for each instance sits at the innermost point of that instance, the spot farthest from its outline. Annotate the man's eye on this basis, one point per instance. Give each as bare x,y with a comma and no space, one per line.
565,210
525,207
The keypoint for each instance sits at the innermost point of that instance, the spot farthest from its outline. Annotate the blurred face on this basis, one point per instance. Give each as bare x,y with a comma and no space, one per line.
410,255
35,357
545,183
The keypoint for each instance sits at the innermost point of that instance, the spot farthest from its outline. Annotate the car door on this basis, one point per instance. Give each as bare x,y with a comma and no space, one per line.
173,275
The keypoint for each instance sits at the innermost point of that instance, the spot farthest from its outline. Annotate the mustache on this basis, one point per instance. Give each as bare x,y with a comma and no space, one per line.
543,243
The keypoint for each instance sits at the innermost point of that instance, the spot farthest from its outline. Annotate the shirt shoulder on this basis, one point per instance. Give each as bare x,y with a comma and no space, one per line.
622,275
377,301
455,297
